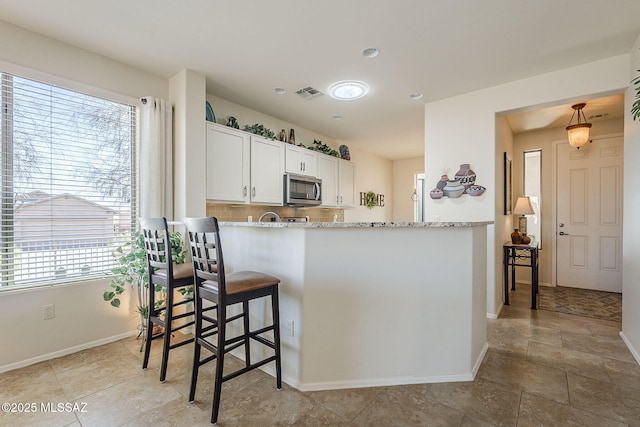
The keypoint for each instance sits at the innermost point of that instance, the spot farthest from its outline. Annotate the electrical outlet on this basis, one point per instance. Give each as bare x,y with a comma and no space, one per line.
48,311
288,324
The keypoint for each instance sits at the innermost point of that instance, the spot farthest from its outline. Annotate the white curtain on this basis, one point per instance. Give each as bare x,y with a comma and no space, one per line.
156,159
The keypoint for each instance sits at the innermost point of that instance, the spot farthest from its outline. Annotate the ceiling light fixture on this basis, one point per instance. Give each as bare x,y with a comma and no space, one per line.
370,52
578,133
337,117
348,90
279,90
416,95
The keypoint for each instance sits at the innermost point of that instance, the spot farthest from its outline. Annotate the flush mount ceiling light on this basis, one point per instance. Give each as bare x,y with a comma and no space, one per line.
279,90
416,95
578,133
337,117
348,90
370,52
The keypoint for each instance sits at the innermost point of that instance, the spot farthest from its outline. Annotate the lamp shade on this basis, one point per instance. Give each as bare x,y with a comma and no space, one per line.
523,206
578,133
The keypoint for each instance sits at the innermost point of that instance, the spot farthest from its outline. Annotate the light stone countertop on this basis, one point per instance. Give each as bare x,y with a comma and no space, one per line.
356,224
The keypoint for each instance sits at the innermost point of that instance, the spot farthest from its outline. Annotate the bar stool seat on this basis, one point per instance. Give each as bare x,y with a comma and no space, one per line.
222,290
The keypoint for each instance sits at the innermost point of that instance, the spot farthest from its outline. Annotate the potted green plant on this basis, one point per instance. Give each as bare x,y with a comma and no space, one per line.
132,271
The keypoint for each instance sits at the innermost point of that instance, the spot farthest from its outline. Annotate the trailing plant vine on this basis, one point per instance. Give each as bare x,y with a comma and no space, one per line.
635,108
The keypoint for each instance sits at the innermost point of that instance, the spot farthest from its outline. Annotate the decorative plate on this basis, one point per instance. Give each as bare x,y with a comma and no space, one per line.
210,116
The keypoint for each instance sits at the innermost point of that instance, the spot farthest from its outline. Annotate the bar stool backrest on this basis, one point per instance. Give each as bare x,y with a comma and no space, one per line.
206,251
157,244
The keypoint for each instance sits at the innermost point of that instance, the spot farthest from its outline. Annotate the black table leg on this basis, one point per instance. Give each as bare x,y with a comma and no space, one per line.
505,262
534,279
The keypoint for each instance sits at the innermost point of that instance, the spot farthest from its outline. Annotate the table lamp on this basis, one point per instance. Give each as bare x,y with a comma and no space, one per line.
523,207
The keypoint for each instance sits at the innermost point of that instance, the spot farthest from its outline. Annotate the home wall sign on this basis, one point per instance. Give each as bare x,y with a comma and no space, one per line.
371,199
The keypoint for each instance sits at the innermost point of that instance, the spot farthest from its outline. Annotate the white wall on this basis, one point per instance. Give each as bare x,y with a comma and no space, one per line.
452,138
403,185
82,318
375,174
631,227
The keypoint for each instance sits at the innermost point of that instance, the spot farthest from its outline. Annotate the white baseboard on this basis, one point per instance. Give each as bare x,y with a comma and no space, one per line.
634,352
64,352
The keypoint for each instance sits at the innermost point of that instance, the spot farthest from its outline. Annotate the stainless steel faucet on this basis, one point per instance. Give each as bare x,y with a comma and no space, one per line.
277,217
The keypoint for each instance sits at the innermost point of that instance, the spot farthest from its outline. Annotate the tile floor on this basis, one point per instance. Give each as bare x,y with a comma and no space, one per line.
542,369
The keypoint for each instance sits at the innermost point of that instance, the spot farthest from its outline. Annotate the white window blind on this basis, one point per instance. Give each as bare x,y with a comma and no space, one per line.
67,184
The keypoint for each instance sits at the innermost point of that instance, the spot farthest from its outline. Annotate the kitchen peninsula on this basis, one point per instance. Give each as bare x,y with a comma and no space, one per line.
369,304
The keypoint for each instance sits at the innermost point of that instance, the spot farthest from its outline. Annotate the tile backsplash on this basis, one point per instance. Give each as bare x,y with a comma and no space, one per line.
241,213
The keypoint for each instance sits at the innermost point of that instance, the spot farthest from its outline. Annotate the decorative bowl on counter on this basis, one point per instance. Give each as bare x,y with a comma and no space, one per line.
436,193
475,190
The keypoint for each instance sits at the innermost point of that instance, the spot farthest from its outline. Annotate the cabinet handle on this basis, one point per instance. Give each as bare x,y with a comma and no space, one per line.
244,191
253,192
301,167
304,167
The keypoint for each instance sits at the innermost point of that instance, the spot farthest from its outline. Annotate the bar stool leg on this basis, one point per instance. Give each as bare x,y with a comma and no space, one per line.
166,342
275,310
247,348
217,386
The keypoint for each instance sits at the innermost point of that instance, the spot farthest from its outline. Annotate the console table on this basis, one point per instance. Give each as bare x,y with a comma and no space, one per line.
516,256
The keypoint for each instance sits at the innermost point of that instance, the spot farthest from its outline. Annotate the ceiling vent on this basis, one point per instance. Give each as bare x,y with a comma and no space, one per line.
309,93
599,116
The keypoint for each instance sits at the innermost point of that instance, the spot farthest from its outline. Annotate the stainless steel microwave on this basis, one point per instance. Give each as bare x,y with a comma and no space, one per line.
302,190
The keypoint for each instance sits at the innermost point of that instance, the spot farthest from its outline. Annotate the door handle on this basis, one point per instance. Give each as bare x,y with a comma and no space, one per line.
562,233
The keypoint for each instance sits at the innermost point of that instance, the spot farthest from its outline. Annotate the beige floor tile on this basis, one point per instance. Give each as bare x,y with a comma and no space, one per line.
347,403
480,400
527,376
321,416
126,401
407,406
578,362
561,322
262,404
609,400
625,374
537,411
177,412
602,345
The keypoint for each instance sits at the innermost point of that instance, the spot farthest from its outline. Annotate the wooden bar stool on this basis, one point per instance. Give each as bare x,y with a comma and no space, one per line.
224,290
164,274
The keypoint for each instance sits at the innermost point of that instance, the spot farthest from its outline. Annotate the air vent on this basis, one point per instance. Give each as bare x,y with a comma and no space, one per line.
309,93
599,116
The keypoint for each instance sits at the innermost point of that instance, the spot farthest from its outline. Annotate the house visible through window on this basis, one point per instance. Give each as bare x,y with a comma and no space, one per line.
67,183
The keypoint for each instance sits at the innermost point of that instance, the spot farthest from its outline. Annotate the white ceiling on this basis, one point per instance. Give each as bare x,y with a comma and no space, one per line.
246,48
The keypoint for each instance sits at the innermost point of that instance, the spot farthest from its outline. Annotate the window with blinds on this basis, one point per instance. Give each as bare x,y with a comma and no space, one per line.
68,183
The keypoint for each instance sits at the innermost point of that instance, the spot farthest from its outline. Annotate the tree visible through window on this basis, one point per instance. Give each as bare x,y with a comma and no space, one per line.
67,183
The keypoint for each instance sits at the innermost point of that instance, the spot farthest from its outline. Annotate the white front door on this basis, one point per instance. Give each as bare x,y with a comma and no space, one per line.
589,215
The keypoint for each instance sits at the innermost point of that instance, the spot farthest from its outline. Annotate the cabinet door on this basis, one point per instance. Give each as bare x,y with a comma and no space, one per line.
267,171
328,173
347,186
300,161
293,159
227,164
309,163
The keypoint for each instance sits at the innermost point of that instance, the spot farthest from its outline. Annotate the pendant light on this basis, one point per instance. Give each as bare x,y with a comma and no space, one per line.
578,133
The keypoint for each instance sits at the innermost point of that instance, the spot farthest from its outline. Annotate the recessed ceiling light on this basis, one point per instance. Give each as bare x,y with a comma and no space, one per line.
348,90
370,52
416,95
337,117
279,90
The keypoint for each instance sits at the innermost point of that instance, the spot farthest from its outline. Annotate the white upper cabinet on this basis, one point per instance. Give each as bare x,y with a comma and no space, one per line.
267,171
227,164
347,184
300,160
328,173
